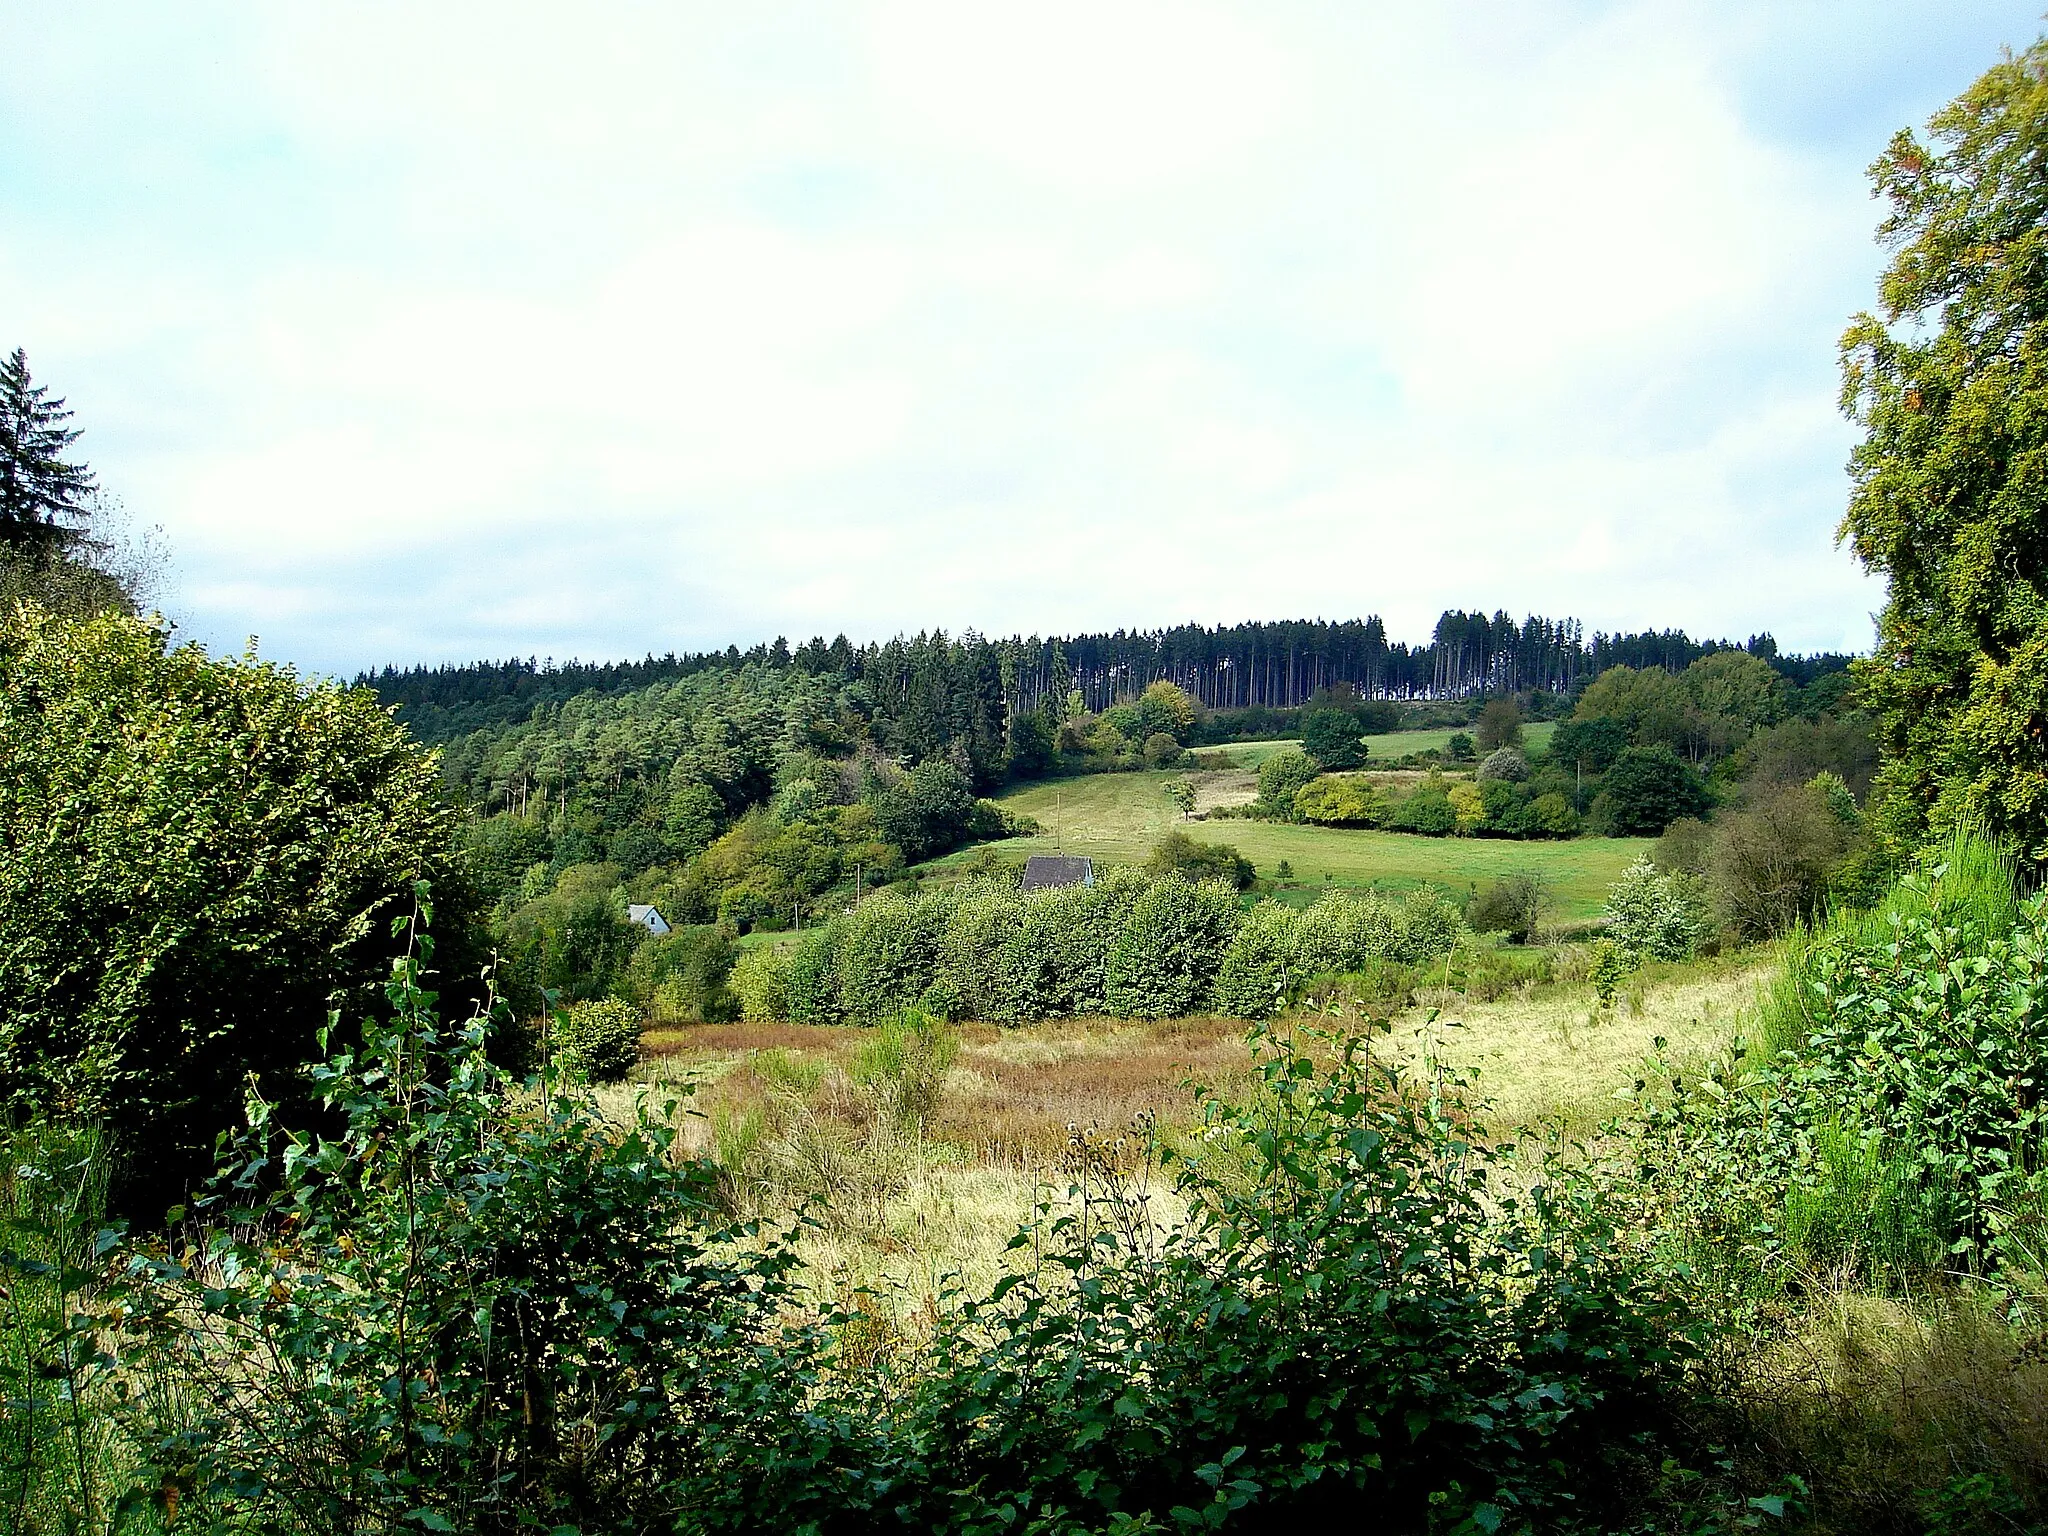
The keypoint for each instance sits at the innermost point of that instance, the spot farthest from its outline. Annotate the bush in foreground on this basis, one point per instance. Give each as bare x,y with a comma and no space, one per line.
465,1312
196,855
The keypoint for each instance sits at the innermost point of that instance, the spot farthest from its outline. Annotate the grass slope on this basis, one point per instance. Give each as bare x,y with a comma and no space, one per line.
1535,738
1118,817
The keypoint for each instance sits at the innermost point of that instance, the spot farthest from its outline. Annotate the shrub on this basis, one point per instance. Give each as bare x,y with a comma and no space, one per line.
1459,748
1428,811
1500,726
1179,854
1430,926
1512,905
455,1311
1506,763
889,952
1057,963
1656,916
598,1040
680,977
1686,847
1886,1136
810,976
1161,750
1338,1325
1468,807
198,857
757,984
1252,981
1609,969
978,954
1333,738
1341,934
1165,959
1340,801
1551,815
1280,776
1771,858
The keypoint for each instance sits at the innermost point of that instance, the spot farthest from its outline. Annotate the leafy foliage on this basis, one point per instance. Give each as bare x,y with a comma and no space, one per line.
194,855
1179,854
451,1313
1646,790
1895,1129
1357,1309
1656,915
1281,776
598,1041
1948,382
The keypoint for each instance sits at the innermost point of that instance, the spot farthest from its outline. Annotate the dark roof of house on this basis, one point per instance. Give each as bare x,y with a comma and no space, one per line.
1048,871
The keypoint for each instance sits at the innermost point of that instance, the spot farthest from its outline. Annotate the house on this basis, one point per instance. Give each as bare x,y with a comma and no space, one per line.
649,918
1051,871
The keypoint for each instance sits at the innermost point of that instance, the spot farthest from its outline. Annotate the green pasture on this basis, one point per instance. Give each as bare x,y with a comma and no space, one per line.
1535,737
1249,754
1118,817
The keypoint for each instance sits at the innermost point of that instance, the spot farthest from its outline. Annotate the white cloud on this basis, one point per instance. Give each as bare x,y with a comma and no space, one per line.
443,330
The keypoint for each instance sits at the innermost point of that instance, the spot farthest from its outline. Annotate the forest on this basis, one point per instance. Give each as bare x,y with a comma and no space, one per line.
1250,674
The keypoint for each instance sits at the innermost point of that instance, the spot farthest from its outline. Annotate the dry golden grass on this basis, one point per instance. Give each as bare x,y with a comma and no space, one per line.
1552,1050
905,1215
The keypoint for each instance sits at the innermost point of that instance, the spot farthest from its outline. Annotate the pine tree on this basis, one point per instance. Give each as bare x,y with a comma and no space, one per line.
44,500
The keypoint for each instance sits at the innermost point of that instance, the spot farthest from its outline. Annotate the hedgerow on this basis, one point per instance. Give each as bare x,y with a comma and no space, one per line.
1129,946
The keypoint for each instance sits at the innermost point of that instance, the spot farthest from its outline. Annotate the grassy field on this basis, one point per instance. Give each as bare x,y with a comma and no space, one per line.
782,1107
1118,817
1400,743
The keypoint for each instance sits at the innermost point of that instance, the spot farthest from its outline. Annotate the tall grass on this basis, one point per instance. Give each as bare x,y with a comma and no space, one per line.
1967,882
63,1464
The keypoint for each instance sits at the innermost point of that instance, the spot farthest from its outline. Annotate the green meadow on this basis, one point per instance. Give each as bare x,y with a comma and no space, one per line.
1118,817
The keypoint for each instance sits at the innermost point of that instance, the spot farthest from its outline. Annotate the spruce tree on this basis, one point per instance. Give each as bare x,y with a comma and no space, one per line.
44,499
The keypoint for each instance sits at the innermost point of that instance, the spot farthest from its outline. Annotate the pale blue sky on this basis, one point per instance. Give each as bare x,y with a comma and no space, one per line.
435,331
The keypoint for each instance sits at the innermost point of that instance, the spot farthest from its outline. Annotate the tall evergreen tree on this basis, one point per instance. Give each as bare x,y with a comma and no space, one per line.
43,497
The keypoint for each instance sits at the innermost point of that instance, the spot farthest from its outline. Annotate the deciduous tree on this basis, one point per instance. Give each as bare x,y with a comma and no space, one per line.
1949,381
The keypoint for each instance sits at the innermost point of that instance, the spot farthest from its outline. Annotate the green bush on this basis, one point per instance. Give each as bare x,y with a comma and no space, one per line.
1337,1326
1647,789
1512,905
1427,810
1333,738
598,1040
198,857
1252,981
1656,916
757,983
810,976
1881,1133
1165,959
1341,933
979,958
455,1311
1280,776
1340,801
1551,815
681,977
1431,927
889,953
1178,854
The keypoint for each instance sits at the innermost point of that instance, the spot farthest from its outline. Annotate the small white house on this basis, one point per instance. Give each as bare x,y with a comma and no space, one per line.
649,918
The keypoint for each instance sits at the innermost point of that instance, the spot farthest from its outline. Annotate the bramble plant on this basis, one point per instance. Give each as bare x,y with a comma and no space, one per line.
459,1311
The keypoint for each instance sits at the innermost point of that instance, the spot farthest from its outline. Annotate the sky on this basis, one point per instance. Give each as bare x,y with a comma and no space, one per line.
431,332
